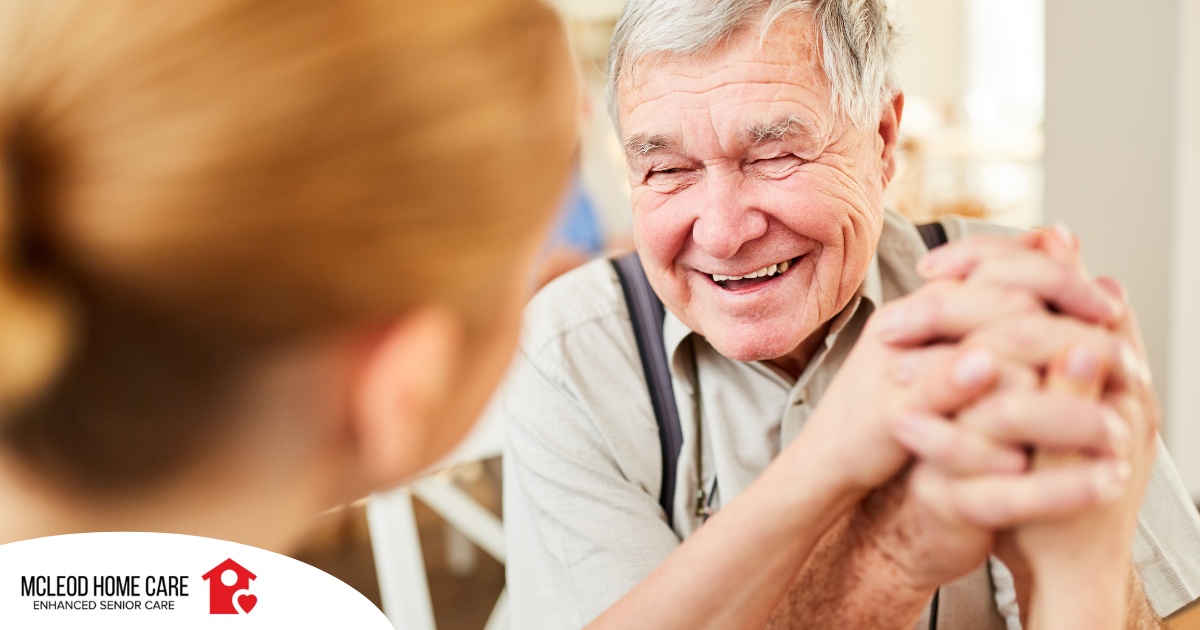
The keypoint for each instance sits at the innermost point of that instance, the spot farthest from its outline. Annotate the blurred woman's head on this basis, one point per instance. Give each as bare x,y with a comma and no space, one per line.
291,232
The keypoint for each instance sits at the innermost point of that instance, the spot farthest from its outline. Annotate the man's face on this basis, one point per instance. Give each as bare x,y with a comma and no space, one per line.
739,164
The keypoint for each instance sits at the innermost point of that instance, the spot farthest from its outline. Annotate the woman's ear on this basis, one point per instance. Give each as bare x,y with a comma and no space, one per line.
403,386
889,132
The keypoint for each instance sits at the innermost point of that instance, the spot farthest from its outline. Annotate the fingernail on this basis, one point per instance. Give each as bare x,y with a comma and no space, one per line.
904,368
1064,234
933,261
1116,308
1082,363
1118,432
1135,369
894,320
1111,480
910,428
1113,288
974,368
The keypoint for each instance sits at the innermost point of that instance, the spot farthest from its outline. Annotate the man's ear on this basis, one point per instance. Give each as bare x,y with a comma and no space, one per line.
401,389
889,132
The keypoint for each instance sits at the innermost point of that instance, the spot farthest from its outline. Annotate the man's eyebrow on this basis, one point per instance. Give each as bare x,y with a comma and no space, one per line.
780,129
641,145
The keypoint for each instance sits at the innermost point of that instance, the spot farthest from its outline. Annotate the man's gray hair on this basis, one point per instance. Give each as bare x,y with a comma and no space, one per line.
856,39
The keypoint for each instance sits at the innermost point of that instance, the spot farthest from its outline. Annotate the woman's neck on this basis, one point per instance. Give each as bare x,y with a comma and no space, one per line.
283,459
216,501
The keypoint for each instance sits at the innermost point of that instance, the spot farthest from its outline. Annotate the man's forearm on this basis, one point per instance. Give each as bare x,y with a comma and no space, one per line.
849,582
1141,614
734,570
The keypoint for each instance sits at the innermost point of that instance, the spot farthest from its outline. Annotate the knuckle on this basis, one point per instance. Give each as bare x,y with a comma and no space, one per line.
1017,301
1024,333
1130,363
944,448
999,511
1019,505
1152,415
1024,377
1098,425
933,311
1153,420
891,307
924,486
1064,278
1007,415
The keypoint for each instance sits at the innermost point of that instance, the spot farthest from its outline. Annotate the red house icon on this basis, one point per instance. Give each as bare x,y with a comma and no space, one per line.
224,581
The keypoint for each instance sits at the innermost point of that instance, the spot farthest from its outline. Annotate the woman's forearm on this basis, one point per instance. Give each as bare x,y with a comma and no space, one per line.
1081,594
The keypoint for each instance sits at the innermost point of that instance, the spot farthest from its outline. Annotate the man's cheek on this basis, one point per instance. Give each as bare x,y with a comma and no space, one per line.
661,235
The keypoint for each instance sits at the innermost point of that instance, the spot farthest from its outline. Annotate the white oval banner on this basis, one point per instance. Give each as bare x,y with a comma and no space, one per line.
133,580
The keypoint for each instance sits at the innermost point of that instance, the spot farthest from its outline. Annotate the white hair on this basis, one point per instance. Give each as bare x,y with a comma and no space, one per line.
856,36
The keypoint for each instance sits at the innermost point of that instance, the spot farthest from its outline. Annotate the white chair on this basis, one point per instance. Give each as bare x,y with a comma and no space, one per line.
396,545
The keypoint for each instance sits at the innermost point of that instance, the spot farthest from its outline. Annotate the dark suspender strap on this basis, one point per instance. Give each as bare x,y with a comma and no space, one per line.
933,609
934,235
646,314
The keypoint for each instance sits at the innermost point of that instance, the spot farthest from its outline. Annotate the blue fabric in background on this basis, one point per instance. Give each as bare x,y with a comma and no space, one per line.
577,225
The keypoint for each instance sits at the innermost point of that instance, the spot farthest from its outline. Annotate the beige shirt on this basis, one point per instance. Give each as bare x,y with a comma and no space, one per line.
583,465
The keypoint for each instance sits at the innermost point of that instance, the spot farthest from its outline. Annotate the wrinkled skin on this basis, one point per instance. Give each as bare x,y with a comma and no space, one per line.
711,197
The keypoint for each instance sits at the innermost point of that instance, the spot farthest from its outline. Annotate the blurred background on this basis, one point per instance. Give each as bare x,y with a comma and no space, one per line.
1023,112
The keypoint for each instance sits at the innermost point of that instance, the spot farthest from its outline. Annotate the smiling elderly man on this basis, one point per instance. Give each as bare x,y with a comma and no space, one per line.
760,137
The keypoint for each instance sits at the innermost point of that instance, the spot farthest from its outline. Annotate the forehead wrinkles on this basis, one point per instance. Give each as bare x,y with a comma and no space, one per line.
729,103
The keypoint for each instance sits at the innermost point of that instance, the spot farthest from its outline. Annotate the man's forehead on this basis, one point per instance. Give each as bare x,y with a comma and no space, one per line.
749,72
748,133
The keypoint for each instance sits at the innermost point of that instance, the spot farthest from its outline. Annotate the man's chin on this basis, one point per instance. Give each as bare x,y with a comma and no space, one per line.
747,348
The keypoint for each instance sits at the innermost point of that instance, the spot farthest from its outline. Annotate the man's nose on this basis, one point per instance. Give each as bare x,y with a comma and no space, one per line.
726,221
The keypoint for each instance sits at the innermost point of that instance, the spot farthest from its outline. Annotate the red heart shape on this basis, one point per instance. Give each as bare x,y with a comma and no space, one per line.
247,602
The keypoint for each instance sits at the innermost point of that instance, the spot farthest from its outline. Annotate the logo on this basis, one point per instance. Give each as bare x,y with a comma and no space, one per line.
229,589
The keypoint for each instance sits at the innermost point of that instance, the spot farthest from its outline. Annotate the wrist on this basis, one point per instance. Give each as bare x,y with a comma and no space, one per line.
1103,576
827,481
888,541
1081,590
882,546
849,583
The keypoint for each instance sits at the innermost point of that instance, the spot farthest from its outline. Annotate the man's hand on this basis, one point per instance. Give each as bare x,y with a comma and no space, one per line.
879,377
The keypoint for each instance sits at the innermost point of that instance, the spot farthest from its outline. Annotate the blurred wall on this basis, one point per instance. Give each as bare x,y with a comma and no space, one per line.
931,60
1184,349
1113,172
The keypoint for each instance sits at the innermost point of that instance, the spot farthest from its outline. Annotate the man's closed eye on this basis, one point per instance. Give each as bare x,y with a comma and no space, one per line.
669,179
780,166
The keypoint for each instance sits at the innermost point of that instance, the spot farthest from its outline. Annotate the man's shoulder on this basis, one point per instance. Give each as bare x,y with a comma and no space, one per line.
901,247
898,227
960,227
575,304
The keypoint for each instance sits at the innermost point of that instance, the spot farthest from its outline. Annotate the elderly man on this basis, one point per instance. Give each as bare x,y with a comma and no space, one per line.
760,137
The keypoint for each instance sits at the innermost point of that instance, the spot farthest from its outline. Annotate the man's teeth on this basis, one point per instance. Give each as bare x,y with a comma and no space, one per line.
761,273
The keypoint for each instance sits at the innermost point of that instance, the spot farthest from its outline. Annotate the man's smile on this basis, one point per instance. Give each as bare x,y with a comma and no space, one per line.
754,278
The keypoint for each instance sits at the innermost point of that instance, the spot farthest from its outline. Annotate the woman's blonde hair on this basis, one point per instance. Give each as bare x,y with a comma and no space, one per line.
190,186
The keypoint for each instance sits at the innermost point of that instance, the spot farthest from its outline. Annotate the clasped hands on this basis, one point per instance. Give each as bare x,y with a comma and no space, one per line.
1004,408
